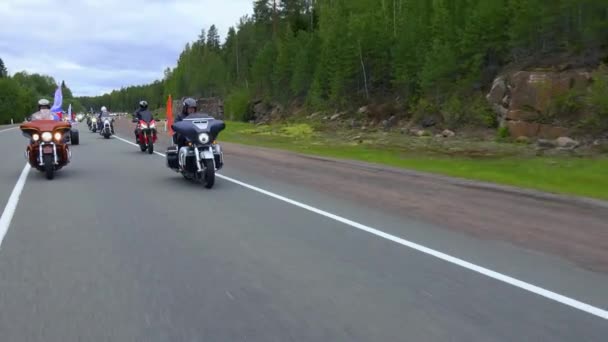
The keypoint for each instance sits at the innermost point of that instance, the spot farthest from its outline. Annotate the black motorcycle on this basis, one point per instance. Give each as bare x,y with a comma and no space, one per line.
198,155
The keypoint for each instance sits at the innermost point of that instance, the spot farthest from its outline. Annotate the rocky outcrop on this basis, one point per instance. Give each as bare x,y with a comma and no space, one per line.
213,106
520,99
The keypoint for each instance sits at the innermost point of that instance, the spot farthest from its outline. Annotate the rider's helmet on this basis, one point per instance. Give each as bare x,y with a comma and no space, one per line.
104,109
44,103
143,105
189,103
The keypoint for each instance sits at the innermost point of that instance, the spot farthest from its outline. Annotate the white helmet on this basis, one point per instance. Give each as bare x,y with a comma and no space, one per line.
104,109
44,102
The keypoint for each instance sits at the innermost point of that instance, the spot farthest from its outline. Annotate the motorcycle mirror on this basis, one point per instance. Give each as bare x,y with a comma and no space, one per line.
134,121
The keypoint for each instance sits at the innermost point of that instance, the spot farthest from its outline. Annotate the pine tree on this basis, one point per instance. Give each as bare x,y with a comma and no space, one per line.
3,71
213,38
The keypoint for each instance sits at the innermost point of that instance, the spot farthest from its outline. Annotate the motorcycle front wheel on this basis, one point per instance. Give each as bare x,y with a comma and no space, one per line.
209,174
49,167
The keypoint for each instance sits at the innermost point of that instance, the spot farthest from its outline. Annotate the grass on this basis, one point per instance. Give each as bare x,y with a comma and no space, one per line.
486,161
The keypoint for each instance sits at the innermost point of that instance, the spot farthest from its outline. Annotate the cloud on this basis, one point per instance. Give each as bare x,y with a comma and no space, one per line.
100,45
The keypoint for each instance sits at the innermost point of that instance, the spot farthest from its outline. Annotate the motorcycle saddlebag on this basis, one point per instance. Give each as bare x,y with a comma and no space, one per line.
172,161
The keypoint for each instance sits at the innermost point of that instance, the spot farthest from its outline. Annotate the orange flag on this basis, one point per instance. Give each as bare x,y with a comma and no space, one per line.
169,115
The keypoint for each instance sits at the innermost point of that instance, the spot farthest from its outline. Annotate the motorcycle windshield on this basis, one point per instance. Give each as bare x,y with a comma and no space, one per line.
44,114
191,127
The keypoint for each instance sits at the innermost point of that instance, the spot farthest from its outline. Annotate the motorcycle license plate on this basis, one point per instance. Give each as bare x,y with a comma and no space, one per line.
47,149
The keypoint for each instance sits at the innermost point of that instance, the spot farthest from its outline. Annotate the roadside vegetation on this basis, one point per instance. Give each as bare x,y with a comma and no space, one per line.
492,161
20,93
398,64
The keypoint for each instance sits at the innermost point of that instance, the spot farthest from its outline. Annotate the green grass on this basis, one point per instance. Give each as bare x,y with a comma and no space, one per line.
564,174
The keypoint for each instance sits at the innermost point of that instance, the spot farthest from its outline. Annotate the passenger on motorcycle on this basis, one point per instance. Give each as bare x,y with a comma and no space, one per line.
44,111
105,114
142,113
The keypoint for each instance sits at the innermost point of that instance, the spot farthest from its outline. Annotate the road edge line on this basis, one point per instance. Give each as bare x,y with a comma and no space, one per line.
11,204
429,251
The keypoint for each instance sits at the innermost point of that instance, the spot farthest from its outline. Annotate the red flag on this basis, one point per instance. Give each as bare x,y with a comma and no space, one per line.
170,114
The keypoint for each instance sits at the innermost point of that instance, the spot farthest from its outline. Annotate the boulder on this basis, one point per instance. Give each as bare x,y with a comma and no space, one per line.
522,115
363,110
523,128
566,142
390,123
498,91
335,117
520,98
544,143
551,132
447,133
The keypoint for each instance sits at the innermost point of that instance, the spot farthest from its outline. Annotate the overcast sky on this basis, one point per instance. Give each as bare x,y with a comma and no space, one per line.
100,45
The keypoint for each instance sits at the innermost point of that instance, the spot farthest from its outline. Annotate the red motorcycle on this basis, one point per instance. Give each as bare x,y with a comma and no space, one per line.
47,150
146,135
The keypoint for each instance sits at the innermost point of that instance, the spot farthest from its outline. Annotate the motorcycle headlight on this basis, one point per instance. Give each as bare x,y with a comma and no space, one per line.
58,136
203,138
152,125
93,120
47,136
144,126
35,137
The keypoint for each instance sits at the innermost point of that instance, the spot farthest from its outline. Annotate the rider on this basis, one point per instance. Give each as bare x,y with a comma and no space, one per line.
142,113
105,114
44,111
189,106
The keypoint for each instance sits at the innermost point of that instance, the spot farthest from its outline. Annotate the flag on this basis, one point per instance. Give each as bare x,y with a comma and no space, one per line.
57,102
170,114
70,112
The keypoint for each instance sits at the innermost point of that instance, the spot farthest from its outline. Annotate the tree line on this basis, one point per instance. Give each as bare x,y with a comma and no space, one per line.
19,94
339,54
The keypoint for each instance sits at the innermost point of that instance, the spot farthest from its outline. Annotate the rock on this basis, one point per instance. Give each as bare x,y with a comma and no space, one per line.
353,123
390,123
313,115
522,140
523,115
552,132
498,91
535,89
447,133
544,143
566,142
358,137
335,117
422,133
522,128
326,117
428,121
363,110
438,136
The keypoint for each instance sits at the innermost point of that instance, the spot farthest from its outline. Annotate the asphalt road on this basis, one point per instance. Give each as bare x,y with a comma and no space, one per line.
120,248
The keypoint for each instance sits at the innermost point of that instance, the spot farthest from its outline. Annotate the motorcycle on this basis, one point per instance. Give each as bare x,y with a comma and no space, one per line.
47,151
106,130
201,156
93,125
146,135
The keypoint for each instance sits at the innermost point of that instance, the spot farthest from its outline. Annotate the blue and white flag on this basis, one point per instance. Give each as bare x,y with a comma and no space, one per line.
58,101
70,112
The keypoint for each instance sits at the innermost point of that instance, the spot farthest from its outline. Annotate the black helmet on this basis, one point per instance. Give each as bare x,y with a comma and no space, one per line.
143,104
188,103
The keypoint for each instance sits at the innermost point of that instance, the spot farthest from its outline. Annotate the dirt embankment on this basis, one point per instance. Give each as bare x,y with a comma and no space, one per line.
574,229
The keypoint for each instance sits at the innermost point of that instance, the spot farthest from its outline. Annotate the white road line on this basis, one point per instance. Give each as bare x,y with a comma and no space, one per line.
11,205
8,129
440,255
